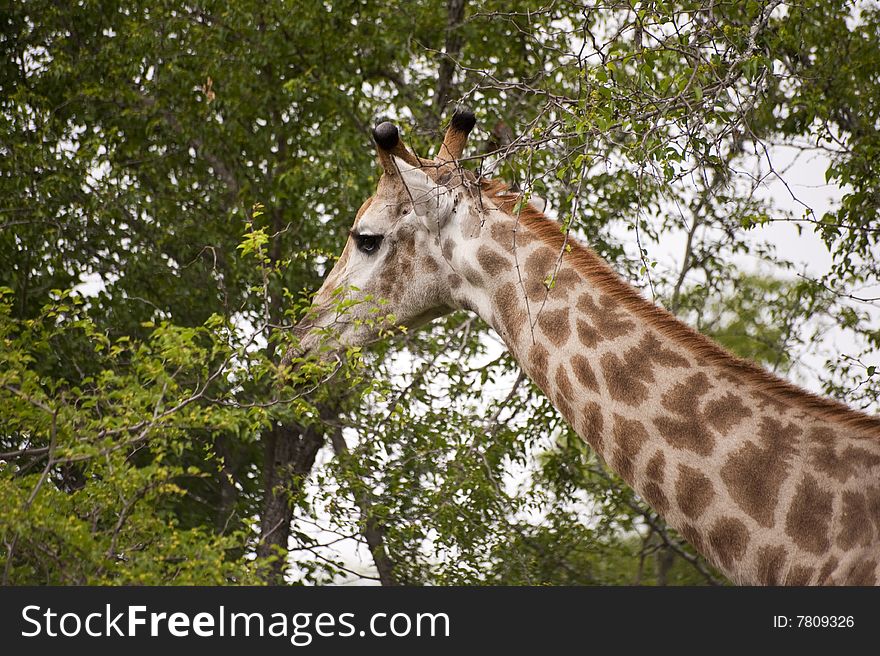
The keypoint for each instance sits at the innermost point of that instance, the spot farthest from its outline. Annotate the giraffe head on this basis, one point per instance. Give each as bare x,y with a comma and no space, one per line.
394,269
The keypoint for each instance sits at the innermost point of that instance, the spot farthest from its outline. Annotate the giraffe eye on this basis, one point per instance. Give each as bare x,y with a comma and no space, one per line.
368,244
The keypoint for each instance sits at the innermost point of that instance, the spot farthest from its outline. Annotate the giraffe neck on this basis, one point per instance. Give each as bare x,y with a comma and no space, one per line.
771,484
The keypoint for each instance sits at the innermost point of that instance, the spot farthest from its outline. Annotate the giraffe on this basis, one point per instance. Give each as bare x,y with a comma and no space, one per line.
774,485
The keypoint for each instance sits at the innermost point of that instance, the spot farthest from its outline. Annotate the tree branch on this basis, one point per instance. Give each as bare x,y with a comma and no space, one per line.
451,51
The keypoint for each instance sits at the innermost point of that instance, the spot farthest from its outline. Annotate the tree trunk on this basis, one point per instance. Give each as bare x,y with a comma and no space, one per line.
289,456
374,532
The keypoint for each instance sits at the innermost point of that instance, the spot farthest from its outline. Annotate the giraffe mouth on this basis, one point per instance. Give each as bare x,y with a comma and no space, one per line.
326,342
305,345
315,339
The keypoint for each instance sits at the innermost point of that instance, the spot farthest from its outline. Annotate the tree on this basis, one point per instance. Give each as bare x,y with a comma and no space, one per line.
203,162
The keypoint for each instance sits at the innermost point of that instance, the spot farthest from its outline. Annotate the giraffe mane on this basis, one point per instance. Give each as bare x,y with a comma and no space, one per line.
600,274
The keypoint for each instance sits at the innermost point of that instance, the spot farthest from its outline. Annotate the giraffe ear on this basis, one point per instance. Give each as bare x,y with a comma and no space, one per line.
432,202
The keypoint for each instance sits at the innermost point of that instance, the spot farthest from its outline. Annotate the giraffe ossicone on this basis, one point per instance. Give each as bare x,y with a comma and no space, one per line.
772,484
